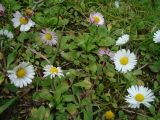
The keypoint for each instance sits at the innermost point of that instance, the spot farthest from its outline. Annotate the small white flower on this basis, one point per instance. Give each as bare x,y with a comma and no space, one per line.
139,95
6,33
124,60
49,37
22,21
116,3
122,40
22,74
52,71
96,18
156,37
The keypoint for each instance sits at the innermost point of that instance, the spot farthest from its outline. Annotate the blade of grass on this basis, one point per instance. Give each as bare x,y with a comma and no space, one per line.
7,104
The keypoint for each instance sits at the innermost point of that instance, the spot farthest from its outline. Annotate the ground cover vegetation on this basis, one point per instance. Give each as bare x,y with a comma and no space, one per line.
79,59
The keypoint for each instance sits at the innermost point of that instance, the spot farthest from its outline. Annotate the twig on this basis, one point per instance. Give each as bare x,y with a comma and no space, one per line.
132,112
39,54
143,66
36,3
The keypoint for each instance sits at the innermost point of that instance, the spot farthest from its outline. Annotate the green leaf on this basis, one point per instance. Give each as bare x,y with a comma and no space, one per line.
72,108
93,68
10,58
105,41
7,104
137,72
23,36
84,84
41,113
1,78
155,67
68,98
152,110
44,94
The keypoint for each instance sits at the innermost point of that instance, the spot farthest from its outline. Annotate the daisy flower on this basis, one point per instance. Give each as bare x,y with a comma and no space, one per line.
96,18
22,21
2,9
6,33
122,40
139,95
156,37
52,71
49,37
22,74
124,60
109,115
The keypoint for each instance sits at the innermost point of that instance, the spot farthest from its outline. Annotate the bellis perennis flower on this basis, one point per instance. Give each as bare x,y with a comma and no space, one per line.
52,71
96,18
49,37
122,40
156,37
124,60
22,74
25,23
139,95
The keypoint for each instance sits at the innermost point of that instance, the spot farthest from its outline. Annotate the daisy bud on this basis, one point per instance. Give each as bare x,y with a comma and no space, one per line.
29,12
109,115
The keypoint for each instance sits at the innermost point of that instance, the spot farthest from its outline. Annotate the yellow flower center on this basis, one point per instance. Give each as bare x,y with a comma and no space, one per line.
124,60
23,20
48,36
109,115
96,19
54,70
139,97
21,72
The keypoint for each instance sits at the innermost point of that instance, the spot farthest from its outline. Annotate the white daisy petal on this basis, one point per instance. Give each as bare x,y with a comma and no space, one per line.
122,40
52,71
124,61
21,75
49,37
138,95
156,37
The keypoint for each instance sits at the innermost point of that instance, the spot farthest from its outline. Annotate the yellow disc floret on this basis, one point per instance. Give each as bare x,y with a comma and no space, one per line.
139,97
124,60
21,72
48,36
109,115
54,70
96,19
23,20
